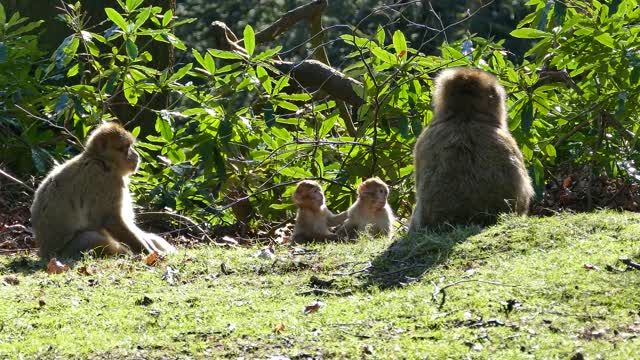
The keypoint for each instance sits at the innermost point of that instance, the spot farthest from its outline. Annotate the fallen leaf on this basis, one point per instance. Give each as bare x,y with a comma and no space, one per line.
566,183
279,328
266,253
8,245
85,270
229,240
152,259
313,307
591,267
41,302
56,267
11,280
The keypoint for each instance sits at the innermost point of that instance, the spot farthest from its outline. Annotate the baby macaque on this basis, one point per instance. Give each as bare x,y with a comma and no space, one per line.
370,210
314,218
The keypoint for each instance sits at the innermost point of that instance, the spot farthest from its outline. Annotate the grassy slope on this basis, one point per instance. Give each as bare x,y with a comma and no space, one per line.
560,307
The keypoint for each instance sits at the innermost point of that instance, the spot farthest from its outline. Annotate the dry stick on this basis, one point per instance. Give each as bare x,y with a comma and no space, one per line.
438,290
17,181
292,17
184,218
630,263
317,41
366,268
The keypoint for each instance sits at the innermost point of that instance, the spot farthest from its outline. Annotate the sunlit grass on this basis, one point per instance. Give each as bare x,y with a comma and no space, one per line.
528,287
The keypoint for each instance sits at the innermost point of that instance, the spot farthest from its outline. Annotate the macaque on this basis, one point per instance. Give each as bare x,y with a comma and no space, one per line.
84,204
370,211
468,167
314,219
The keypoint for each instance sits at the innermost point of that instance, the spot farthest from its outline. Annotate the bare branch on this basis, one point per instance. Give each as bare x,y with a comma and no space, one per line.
304,12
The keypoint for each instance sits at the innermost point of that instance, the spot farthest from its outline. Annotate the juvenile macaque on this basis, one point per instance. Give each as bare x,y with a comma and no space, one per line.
370,210
85,205
468,167
313,219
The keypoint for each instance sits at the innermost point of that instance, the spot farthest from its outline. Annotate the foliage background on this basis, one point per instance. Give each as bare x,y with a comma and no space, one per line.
235,135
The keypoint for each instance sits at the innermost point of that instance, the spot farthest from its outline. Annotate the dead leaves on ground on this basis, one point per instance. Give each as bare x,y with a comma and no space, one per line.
313,307
56,267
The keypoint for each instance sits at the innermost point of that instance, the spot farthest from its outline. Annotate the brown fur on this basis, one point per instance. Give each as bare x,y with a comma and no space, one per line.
314,218
468,167
85,205
370,210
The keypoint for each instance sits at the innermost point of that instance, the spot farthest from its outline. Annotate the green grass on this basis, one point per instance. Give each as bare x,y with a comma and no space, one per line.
383,303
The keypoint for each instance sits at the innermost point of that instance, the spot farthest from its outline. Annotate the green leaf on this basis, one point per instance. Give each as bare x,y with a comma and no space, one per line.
136,132
4,53
400,44
249,39
39,158
529,34
181,73
380,35
142,17
225,130
133,4
403,125
130,91
209,64
166,18
551,151
66,51
605,39
73,71
384,56
225,54
544,15
559,13
3,18
117,19
295,172
163,127
132,49
283,206
527,116
286,105
416,125
269,118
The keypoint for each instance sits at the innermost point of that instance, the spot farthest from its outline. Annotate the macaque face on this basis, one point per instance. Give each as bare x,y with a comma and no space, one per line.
126,157
374,192
308,194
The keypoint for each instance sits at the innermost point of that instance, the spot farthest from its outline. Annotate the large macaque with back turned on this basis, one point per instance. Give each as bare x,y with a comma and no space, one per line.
85,205
314,219
371,211
468,167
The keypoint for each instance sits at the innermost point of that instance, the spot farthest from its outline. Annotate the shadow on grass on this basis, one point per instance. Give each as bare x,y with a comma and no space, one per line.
410,256
25,265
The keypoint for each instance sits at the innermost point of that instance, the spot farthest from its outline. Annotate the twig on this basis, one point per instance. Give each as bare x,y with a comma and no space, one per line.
181,217
18,181
438,290
630,263
366,268
325,292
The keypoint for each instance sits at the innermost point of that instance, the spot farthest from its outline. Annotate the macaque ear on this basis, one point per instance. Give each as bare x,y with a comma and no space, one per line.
361,188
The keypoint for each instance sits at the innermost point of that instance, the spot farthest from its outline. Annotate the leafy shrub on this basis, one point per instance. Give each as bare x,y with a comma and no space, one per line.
239,134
